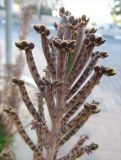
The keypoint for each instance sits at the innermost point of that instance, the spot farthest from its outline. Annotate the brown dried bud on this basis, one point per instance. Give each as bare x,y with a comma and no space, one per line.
92,37
95,102
36,27
42,28
86,41
93,30
56,43
93,146
99,41
94,54
87,106
31,45
47,32
24,43
109,72
21,82
75,22
97,68
71,19
15,80
103,41
87,20
39,28
83,18
71,44
21,45
61,11
95,111
93,106
7,110
67,13
64,44
103,54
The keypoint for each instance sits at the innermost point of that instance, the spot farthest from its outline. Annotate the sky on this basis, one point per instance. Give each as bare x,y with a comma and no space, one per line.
97,10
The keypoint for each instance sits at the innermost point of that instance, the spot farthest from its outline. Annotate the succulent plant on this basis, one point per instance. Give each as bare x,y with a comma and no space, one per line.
71,74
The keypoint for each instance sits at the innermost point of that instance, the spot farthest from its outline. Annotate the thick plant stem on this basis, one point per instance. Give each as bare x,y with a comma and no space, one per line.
53,141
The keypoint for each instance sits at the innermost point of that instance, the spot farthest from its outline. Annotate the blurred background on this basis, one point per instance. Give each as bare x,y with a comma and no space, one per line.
16,19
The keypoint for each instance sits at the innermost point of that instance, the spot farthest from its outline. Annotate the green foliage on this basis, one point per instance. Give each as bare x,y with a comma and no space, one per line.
116,11
45,10
70,62
5,137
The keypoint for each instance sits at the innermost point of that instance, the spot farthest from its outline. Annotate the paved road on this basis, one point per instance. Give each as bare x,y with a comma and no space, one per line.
104,128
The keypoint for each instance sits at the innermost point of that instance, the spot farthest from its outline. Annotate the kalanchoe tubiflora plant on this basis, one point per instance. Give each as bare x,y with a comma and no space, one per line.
71,75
